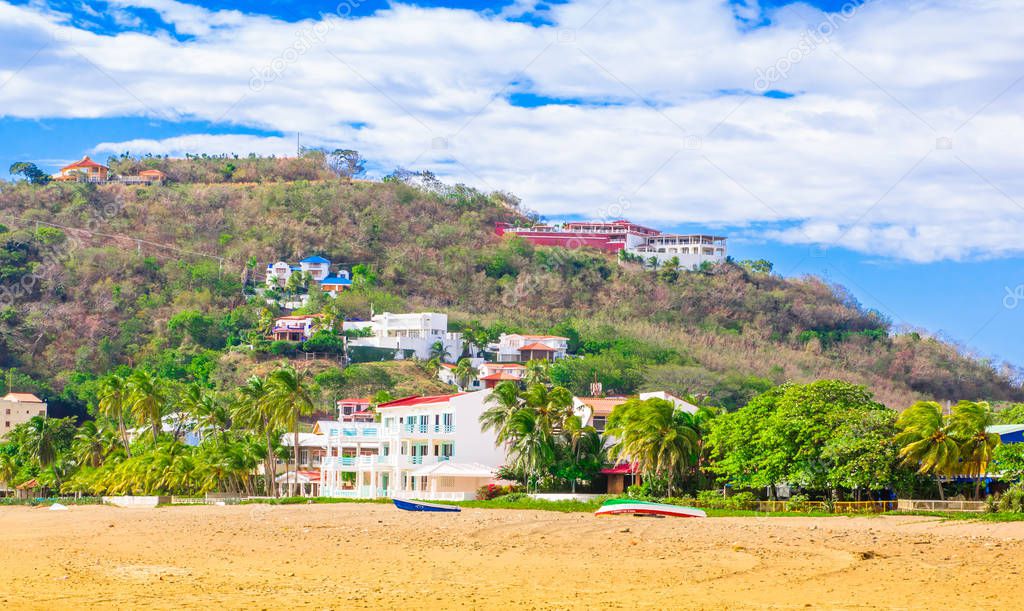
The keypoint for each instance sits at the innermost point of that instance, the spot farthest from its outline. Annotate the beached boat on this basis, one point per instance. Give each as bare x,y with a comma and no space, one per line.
613,507
421,506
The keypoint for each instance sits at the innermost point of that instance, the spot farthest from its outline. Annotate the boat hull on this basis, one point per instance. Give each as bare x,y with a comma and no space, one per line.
421,506
628,507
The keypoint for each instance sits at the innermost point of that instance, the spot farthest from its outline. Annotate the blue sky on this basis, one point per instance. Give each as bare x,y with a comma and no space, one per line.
872,146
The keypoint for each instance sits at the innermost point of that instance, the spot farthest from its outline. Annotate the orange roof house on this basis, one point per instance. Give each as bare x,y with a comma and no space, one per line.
84,168
153,175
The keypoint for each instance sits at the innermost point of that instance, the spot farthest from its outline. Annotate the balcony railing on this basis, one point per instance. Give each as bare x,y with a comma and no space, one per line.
441,429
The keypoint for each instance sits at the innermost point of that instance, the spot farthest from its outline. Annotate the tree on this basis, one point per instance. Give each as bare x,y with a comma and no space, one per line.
504,401
440,352
464,373
670,271
254,410
759,266
30,171
92,444
146,399
113,403
538,371
345,163
781,436
969,423
293,398
661,440
532,446
1008,459
584,452
926,440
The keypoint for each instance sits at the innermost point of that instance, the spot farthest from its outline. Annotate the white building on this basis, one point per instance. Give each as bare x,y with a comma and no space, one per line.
417,332
296,328
594,411
319,270
17,408
429,448
446,373
513,347
690,250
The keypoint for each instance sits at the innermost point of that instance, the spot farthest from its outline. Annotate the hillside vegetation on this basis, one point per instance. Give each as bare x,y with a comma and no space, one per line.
154,276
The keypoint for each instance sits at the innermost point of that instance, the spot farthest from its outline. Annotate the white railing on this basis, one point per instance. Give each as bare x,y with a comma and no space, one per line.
365,432
426,495
441,429
341,462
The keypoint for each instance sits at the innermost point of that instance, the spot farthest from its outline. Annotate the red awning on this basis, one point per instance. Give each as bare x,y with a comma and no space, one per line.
623,469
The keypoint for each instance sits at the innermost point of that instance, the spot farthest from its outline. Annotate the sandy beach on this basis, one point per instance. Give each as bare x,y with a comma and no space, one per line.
374,556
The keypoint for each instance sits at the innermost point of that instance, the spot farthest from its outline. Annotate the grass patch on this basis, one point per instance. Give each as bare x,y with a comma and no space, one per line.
1000,516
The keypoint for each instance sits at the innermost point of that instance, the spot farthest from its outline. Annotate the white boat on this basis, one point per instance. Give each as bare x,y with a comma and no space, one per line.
629,506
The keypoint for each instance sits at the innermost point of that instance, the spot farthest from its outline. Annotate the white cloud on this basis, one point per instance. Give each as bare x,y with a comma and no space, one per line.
900,142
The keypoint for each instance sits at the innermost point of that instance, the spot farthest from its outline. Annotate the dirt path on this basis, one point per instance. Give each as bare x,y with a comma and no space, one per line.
372,556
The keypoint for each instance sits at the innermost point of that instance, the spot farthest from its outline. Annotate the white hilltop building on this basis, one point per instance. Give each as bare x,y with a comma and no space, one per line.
429,448
318,268
418,332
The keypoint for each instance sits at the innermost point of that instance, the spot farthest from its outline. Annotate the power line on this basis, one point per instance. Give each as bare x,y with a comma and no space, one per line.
114,236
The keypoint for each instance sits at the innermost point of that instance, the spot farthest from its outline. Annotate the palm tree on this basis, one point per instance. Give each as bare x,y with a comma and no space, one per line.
537,372
926,440
653,434
146,399
8,468
440,352
89,446
209,413
553,405
464,373
291,395
532,446
969,422
504,401
113,401
581,442
254,410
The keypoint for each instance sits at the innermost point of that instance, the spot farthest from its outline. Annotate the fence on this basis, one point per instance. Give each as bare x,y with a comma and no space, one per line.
917,505
836,507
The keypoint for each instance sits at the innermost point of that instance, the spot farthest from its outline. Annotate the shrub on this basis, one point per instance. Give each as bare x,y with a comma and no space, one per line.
798,502
492,491
713,499
283,348
513,497
1012,500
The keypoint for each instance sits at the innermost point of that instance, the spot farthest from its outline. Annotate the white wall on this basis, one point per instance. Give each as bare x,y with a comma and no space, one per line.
471,443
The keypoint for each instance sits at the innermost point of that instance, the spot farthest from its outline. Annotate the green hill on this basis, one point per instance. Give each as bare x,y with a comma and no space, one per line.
94,277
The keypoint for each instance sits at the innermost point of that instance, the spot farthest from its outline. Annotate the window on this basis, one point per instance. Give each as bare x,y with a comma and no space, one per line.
599,423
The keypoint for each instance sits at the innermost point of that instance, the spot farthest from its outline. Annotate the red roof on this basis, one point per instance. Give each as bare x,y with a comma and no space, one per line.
84,162
622,469
356,400
501,376
538,347
418,400
151,173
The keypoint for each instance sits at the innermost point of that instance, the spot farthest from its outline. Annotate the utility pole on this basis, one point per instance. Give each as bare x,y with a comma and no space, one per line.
298,146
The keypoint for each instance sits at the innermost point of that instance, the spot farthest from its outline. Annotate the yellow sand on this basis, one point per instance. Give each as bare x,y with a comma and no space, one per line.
375,556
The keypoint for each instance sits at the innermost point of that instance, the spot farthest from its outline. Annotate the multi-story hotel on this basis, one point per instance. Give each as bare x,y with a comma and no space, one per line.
614,236
423,447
